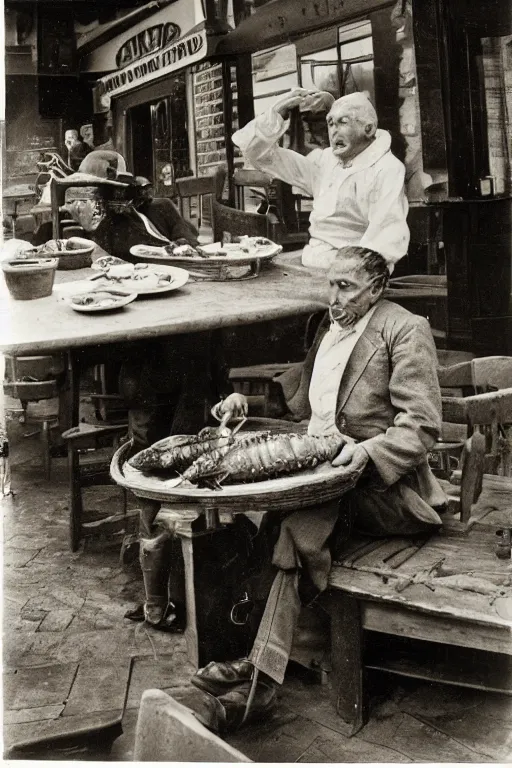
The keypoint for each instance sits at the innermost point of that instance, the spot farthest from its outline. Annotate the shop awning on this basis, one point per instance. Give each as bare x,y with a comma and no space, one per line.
279,20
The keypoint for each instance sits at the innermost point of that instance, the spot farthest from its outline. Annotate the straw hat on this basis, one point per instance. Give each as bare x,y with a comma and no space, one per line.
103,167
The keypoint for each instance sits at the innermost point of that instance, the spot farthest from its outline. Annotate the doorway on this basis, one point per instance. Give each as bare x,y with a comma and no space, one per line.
141,144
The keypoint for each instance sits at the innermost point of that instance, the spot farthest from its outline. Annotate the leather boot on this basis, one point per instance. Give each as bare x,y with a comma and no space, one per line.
155,564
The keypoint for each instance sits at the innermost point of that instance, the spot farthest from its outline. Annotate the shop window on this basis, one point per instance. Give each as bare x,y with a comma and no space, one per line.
343,68
274,72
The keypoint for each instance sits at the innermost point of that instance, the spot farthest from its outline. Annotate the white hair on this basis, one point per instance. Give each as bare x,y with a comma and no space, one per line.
359,107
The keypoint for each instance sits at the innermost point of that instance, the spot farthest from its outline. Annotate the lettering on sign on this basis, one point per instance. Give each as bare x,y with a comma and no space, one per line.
185,51
148,41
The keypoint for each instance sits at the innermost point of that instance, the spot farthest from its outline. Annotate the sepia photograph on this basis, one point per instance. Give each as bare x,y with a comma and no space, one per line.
256,381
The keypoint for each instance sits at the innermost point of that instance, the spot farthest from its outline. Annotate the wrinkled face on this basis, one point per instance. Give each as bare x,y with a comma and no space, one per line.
70,139
86,206
87,134
347,135
352,291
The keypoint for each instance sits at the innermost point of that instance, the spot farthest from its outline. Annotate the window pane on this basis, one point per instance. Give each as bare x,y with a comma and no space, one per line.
320,70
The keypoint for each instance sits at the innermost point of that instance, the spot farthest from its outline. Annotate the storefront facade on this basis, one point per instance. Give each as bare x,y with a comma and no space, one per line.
172,102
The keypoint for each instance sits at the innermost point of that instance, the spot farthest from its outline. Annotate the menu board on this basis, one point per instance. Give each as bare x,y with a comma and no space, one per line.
209,117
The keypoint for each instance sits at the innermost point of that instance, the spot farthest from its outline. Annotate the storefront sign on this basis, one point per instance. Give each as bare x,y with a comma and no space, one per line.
170,26
185,51
148,41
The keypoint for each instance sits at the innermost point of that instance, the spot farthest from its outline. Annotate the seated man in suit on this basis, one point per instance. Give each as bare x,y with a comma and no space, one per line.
371,375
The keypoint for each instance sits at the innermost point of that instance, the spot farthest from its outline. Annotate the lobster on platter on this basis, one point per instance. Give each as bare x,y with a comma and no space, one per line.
262,456
178,452
218,454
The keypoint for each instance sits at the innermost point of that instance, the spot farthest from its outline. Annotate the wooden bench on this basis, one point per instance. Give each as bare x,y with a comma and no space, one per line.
437,609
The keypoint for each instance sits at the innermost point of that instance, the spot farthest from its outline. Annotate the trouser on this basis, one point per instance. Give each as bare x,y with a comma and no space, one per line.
303,556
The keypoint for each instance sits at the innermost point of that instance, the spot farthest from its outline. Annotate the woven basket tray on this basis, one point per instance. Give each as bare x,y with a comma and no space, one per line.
304,489
216,268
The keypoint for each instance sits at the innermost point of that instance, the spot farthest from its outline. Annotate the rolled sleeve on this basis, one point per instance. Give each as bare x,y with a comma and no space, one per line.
259,142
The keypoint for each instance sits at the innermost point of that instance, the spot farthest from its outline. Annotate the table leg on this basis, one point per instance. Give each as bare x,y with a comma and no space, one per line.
347,659
75,491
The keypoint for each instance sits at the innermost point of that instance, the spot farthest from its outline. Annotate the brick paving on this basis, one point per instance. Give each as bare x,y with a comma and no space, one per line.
71,659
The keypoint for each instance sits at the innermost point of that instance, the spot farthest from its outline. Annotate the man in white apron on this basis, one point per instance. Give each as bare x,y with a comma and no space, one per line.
357,184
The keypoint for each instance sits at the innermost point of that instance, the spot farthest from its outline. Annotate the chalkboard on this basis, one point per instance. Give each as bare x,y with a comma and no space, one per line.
26,146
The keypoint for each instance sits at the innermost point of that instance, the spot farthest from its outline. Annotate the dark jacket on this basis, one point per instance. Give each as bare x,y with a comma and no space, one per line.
118,232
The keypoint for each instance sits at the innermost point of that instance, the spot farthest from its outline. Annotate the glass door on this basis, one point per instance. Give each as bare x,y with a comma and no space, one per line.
171,151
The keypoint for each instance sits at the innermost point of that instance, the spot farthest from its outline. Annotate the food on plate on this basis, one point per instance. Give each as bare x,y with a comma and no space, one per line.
180,249
52,247
218,455
96,299
105,262
138,277
177,452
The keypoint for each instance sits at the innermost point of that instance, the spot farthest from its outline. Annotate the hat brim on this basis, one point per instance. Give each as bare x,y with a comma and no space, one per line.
93,181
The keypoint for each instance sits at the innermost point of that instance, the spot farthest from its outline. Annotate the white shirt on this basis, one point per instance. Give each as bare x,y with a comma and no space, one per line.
330,362
363,204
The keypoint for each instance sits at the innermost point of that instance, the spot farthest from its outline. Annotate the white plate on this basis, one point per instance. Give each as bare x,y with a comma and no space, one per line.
118,301
232,256
178,279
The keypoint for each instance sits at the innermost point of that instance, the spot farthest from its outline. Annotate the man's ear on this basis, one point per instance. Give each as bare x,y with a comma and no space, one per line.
369,130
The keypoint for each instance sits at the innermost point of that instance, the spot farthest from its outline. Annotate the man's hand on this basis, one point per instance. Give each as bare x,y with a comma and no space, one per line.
353,457
291,100
235,404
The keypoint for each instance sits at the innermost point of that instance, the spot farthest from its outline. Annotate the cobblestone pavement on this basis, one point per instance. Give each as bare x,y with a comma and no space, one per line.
70,658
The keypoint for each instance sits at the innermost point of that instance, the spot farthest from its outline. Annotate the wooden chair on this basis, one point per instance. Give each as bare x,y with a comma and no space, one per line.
200,191
62,226
228,222
35,379
168,731
478,375
244,178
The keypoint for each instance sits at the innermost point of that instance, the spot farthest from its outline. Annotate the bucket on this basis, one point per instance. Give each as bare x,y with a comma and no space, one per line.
29,278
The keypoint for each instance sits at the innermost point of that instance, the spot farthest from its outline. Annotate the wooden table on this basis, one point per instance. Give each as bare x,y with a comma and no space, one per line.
44,325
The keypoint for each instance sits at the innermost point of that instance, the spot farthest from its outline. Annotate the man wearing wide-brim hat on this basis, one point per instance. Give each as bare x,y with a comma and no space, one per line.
116,209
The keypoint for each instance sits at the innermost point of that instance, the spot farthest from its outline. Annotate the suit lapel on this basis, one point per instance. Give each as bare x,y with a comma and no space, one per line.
365,348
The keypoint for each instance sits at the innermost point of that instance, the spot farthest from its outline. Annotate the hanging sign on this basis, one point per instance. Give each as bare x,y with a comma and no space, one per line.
187,50
172,38
148,41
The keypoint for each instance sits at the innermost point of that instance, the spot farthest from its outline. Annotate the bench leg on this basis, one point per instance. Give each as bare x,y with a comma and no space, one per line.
347,660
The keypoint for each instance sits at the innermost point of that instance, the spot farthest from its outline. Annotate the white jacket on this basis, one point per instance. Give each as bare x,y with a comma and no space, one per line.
364,204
